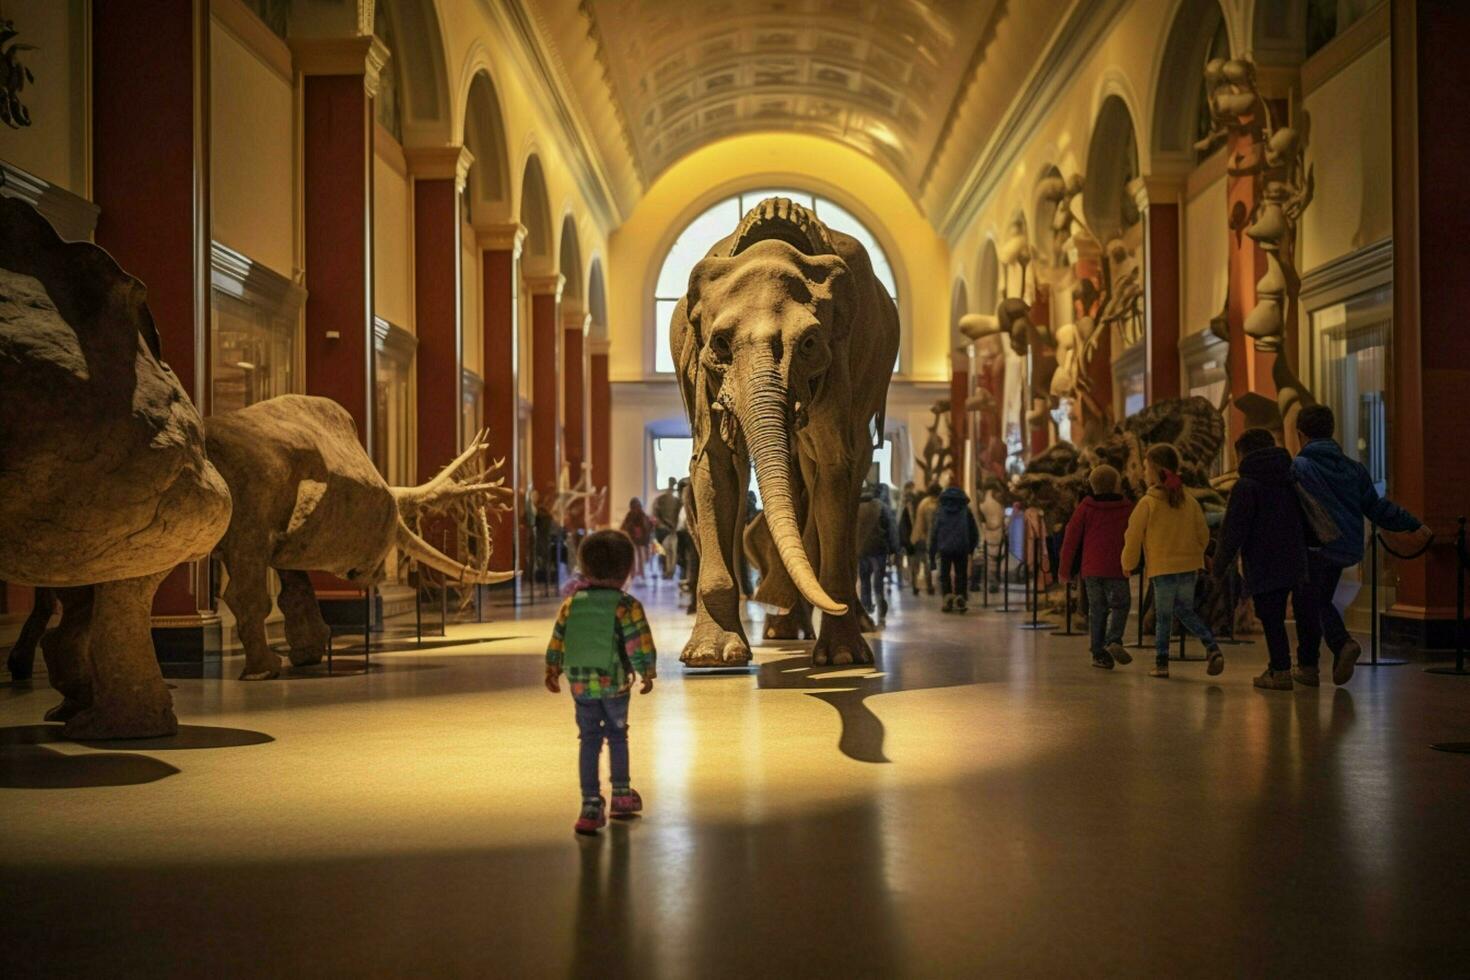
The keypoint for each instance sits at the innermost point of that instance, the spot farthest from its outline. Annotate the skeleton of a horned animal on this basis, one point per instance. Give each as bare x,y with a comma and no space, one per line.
569,495
937,457
460,502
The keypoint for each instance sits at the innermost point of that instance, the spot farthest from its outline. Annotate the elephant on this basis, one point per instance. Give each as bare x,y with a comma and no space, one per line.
784,346
106,485
308,498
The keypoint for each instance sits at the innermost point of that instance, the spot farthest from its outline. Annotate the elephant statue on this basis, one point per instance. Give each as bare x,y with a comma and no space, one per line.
793,622
308,498
784,345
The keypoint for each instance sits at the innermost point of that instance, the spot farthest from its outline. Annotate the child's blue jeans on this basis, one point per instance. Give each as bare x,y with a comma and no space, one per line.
604,718
1174,596
1107,611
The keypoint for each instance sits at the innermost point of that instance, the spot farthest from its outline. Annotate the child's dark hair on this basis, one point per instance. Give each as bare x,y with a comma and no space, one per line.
1316,422
606,556
1254,440
1166,458
1103,479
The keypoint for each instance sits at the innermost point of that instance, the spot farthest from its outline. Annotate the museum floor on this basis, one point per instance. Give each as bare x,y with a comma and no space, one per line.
985,803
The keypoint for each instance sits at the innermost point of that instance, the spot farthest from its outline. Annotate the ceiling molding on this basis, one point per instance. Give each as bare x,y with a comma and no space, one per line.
548,90
594,34
1073,43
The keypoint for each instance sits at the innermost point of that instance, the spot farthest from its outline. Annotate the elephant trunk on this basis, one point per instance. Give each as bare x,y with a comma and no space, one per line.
765,424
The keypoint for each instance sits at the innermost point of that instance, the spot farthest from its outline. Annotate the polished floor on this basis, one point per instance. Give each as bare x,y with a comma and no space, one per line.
982,803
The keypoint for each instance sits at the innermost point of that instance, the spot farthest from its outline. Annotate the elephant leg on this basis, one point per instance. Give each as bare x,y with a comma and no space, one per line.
129,697
833,502
249,599
718,638
306,632
67,653
22,659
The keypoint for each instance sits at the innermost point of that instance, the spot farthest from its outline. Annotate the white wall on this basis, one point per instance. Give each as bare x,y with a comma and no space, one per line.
392,233
54,146
1351,153
252,153
1206,249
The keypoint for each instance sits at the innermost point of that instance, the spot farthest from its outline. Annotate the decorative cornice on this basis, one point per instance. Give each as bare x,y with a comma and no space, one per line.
241,277
594,183
594,33
1361,36
1157,189
1075,41
362,55
394,341
252,32
574,320
73,217
598,346
510,237
546,285
1347,275
440,163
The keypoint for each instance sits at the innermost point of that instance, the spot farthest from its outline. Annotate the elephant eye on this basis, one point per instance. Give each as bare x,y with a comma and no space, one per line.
719,344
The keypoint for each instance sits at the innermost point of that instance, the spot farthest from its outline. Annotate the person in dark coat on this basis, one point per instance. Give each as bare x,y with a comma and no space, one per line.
1264,526
953,535
1345,489
878,528
1095,533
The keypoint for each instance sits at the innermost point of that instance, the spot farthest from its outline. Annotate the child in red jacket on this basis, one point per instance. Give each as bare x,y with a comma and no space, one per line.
1097,528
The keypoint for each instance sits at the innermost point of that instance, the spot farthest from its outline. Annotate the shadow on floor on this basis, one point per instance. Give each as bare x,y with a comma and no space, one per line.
352,667
189,737
30,766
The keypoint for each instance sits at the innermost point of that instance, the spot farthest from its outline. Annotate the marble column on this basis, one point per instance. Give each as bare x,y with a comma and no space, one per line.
959,393
150,176
500,253
546,339
1159,206
574,401
438,175
339,80
1430,362
599,395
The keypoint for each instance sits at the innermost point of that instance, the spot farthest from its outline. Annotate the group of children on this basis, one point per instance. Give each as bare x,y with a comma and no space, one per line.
1274,523
1295,523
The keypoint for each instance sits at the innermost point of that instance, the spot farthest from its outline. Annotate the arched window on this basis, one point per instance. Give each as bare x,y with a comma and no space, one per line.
720,220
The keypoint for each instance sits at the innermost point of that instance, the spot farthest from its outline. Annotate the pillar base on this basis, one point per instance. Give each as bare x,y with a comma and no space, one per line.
188,645
1417,636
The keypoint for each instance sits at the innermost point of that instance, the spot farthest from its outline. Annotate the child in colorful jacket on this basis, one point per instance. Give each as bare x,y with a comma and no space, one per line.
601,640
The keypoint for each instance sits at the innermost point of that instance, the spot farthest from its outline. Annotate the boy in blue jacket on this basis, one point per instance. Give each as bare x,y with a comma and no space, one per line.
1345,489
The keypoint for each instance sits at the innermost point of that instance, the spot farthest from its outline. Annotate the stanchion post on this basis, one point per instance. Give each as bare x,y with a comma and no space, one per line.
1142,589
1005,578
367,625
1374,632
418,605
1459,668
984,574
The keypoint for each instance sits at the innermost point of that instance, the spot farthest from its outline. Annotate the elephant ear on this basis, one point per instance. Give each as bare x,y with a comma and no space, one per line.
706,271
831,280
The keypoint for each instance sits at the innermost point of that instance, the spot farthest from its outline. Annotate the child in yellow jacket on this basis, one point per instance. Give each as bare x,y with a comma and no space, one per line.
1167,530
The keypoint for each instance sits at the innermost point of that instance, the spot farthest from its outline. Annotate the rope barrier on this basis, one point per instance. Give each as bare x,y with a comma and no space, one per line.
1389,548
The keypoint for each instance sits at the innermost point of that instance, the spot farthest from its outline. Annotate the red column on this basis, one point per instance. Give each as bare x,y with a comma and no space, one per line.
959,393
150,175
574,382
545,364
438,178
1429,469
1158,203
341,77
500,251
599,393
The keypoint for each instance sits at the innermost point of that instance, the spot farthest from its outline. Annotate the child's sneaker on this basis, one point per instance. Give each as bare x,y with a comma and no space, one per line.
592,819
1274,680
1119,655
626,804
1216,662
1305,676
961,603
1159,670
1103,661
948,604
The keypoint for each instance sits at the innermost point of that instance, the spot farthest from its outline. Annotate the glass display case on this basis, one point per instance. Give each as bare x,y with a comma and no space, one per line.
393,372
255,316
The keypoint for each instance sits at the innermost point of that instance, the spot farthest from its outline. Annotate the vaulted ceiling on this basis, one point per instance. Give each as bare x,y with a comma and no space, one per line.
918,85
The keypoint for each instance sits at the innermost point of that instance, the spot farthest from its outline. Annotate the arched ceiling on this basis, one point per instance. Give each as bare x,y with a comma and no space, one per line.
879,75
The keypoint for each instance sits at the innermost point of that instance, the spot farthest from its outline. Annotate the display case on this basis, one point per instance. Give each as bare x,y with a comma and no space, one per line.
256,316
